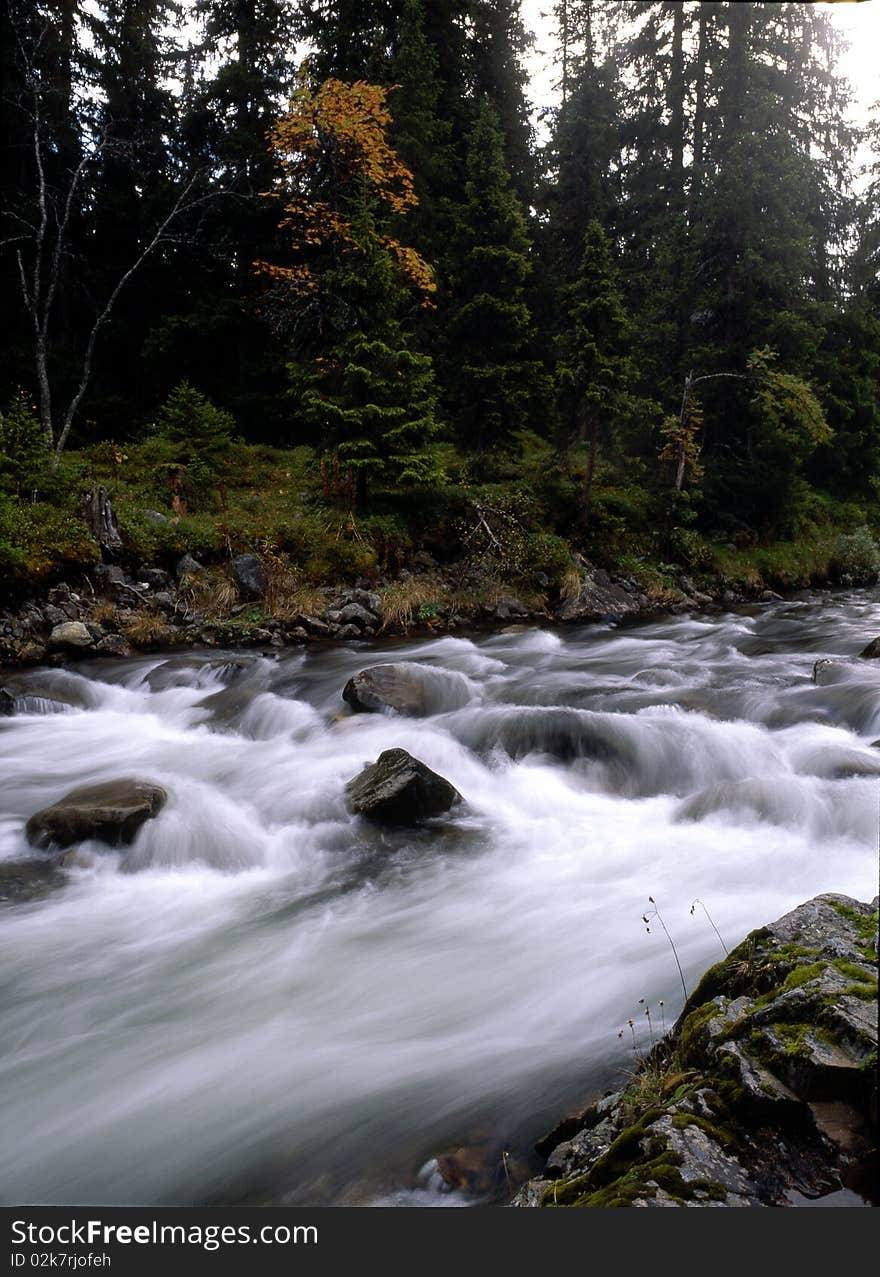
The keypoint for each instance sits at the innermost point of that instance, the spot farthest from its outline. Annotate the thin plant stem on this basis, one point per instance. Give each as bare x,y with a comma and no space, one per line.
657,914
711,923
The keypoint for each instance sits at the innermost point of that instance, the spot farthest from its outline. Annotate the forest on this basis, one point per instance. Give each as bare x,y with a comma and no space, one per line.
314,280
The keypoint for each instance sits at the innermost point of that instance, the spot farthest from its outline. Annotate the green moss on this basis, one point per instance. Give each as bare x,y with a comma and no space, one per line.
720,1134
691,1032
793,980
866,992
864,924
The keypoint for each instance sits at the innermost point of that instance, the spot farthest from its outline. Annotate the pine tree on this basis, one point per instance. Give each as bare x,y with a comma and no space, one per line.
495,378
594,372
366,393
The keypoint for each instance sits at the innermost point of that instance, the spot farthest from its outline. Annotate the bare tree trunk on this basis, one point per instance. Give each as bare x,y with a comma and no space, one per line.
101,520
40,281
682,419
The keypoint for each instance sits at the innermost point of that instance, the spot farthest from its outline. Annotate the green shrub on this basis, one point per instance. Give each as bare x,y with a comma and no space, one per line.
194,425
550,554
856,558
24,454
42,540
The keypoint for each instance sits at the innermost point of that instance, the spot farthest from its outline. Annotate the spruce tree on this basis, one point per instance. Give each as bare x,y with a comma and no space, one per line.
594,372
495,381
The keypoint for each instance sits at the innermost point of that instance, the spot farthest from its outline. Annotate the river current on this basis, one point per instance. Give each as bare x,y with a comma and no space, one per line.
267,999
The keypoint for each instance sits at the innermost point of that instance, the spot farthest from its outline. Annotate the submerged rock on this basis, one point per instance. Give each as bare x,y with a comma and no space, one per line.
399,790
22,880
872,651
765,1088
407,688
112,812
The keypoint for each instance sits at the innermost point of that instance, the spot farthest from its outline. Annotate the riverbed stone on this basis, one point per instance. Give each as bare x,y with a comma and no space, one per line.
111,812
399,790
71,634
187,566
7,703
406,687
353,614
248,575
872,651
155,578
600,598
113,645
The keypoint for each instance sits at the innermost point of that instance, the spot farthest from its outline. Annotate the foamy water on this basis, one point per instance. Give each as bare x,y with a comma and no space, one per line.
266,999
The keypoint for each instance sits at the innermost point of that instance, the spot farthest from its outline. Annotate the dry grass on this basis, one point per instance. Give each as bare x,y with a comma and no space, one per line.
211,592
404,602
288,595
104,613
147,629
572,581
652,1084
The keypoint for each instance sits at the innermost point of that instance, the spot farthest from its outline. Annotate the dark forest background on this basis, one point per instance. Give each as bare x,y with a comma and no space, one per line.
651,333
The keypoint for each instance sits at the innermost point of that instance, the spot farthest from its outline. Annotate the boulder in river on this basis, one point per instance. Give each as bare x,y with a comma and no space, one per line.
407,688
248,575
7,703
112,812
872,651
399,790
70,634
765,1092
600,598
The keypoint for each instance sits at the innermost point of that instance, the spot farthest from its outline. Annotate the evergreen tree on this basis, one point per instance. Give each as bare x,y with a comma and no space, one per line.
365,392
133,183
594,372
498,45
236,79
495,380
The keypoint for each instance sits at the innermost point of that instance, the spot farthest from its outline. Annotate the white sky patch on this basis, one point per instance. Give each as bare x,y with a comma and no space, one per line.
860,62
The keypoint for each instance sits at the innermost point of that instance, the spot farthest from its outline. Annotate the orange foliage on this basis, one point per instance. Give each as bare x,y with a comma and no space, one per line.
334,136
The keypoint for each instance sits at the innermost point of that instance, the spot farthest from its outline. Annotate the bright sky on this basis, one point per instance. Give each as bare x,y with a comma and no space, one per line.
859,23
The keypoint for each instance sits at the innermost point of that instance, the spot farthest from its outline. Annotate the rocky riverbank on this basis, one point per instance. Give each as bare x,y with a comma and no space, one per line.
764,1093
113,612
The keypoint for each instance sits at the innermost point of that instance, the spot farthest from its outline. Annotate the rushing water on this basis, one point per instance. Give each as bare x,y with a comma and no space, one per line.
267,999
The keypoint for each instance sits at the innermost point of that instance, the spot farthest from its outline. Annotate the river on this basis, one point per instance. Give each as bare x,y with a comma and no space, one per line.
266,999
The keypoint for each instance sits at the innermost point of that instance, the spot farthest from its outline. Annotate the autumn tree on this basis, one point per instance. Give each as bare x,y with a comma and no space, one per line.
343,293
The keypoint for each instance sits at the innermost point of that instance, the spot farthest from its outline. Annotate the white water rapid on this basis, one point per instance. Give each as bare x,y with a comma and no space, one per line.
266,999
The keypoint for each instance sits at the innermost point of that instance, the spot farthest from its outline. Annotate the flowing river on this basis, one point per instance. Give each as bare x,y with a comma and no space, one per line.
267,999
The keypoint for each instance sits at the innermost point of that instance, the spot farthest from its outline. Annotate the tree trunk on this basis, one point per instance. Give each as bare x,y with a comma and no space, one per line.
101,520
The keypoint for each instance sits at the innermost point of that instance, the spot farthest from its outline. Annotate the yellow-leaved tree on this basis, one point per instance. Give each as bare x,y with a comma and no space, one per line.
344,280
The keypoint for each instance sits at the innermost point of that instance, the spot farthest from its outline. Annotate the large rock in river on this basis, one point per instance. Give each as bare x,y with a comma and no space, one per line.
399,790
872,651
112,812
764,1094
407,688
